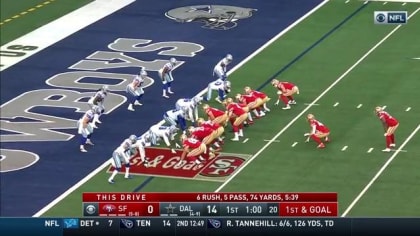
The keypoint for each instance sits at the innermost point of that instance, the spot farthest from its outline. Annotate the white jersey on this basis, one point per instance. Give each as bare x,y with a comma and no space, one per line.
135,87
159,132
173,114
221,67
85,131
165,73
97,99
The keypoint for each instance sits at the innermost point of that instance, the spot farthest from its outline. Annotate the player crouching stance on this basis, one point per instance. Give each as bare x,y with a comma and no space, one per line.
236,112
135,89
219,130
193,149
390,124
264,98
122,155
318,131
286,90
215,115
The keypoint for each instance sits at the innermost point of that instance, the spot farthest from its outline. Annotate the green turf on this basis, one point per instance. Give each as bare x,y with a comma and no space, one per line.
386,77
25,23
303,168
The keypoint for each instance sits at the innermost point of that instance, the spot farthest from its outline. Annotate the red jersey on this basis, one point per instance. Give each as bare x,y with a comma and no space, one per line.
201,132
214,111
387,118
248,98
285,85
191,143
258,94
319,126
210,125
236,109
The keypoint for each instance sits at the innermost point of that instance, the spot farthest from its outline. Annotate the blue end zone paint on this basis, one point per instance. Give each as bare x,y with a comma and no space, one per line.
149,179
61,164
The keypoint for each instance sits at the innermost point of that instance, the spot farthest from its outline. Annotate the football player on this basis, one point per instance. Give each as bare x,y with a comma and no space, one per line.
260,95
223,88
165,133
221,67
165,74
318,131
390,125
286,90
122,155
85,127
141,143
215,115
193,149
98,100
189,106
237,113
135,89
176,117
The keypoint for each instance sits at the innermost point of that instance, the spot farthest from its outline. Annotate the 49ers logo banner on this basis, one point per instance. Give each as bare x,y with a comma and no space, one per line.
163,163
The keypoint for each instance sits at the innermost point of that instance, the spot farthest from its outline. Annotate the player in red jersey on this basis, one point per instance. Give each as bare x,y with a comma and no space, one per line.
286,90
215,115
252,102
204,134
218,131
236,112
260,95
390,124
318,131
193,149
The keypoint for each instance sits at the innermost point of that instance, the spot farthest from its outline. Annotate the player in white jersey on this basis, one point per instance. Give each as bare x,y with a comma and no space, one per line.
221,67
165,133
176,117
142,142
135,89
98,100
189,106
222,87
85,127
122,155
165,74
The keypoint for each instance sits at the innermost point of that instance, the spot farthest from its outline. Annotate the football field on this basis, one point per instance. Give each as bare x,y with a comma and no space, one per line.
345,66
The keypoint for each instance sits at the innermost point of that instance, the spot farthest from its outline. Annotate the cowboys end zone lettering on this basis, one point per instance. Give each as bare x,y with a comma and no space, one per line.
20,123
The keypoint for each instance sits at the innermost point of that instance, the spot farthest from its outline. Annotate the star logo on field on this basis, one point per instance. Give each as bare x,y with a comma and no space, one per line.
170,209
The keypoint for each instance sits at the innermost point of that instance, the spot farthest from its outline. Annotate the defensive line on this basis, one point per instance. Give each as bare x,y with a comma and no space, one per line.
201,93
308,107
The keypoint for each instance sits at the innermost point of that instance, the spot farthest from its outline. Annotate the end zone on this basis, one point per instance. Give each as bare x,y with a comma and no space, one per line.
163,163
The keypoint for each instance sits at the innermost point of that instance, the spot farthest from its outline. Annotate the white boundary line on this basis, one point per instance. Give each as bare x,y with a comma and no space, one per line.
97,170
308,107
380,172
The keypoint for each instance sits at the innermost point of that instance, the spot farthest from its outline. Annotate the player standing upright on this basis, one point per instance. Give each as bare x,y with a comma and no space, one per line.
318,131
286,90
135,89
165,74
98,100
221,67
390,124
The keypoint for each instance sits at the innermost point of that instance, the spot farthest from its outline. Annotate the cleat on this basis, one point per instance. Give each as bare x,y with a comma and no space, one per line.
292,102
89,142
94,126
137,103
286,107
235,139
83,150
387,150
98,121
165,96
321,146
170,92
327,140
218,100
128,177
197,162
130,109
111,181
267,110
392,145
173,151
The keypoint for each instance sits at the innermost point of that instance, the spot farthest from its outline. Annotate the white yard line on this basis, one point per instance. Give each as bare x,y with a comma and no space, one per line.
105,164
380,172
308,107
